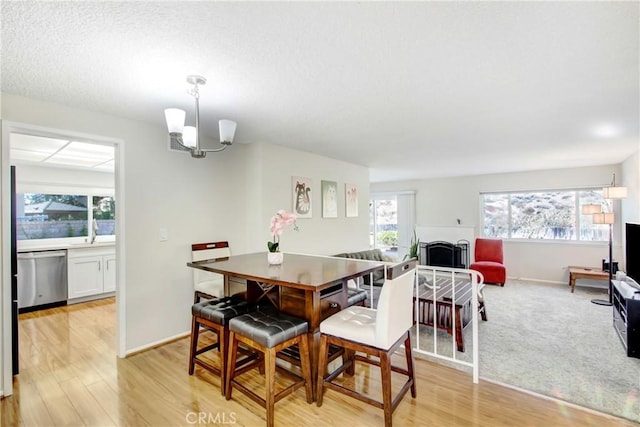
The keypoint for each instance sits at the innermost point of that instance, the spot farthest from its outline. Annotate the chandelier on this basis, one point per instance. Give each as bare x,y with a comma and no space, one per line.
188,137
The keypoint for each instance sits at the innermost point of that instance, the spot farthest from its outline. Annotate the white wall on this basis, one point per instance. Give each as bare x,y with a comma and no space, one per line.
163,189
226,196
631,178
631,205
441,202
321,235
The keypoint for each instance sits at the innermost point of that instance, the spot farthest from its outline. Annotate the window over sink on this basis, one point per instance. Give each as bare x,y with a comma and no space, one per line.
63,216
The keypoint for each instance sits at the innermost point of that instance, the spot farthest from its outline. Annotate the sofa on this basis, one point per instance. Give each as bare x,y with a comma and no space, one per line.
378,276
369,255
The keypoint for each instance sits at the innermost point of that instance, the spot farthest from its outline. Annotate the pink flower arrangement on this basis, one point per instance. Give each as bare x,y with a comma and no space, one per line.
281,220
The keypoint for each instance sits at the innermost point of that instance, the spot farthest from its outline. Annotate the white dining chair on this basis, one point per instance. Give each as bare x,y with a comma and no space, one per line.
374,332
206,284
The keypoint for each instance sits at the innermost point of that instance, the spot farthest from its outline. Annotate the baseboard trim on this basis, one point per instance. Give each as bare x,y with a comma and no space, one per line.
555,399
530,279
156,344
584,283
91,298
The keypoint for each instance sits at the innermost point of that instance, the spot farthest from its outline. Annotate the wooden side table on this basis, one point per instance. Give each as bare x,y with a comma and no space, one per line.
585,273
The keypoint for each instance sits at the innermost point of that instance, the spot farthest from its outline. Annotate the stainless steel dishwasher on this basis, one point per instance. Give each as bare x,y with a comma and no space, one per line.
42,278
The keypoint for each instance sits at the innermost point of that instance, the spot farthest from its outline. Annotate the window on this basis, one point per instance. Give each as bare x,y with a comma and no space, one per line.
56,216
104,212
383,233
392,222
542,215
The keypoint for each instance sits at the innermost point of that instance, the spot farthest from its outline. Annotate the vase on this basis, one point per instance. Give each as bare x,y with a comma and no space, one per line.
275,258
274,271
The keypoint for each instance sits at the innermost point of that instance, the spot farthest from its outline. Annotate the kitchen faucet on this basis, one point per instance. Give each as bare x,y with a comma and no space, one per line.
94,230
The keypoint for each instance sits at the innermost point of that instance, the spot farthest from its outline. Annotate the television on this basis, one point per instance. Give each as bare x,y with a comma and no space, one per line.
633,254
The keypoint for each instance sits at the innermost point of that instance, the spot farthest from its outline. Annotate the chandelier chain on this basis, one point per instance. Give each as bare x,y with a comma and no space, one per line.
194,91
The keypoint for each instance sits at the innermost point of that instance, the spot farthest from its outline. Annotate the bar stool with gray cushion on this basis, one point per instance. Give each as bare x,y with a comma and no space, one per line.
355,296
269,331
214,315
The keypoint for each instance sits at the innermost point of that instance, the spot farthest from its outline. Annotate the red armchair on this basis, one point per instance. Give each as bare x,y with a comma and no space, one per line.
489,260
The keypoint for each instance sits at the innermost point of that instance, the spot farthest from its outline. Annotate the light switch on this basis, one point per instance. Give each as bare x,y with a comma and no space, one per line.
164,235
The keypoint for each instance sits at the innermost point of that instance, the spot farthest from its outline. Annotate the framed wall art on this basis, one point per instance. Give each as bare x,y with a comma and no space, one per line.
301,196
329,199
351,200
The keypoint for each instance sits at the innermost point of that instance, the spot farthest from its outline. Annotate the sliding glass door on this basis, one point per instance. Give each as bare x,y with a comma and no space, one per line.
391,222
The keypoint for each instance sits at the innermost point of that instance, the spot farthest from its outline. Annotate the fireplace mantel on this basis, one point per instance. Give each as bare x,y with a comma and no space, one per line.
446,233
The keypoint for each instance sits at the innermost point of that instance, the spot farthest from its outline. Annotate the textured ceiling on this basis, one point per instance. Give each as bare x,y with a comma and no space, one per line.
410,90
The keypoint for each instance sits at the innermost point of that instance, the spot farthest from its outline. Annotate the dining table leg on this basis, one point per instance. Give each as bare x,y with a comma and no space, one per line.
313,314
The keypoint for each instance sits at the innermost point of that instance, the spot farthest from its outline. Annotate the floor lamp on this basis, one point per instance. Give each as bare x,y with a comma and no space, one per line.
606,218
608,193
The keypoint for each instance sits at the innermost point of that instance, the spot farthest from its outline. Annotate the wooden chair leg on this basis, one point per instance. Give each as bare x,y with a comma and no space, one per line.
195,331
322,369
223,348
233,355
270,376
408,351
385,368
349,356
306,366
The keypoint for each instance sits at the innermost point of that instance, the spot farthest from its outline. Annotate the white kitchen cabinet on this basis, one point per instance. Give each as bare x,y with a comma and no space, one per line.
91,272
109,273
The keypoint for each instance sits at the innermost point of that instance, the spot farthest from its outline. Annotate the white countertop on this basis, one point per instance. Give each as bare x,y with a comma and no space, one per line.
61,246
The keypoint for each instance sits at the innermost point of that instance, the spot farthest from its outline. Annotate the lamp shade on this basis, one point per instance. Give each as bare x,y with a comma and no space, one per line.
175,119
614,192
227,130
591,209
189,136
602,218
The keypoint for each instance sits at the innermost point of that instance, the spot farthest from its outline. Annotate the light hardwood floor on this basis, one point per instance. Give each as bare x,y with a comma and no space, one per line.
70,375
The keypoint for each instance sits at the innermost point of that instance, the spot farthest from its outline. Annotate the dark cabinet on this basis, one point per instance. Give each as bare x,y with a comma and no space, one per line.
626,316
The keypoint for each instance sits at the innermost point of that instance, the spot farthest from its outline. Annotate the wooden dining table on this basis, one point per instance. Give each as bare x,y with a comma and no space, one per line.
311,287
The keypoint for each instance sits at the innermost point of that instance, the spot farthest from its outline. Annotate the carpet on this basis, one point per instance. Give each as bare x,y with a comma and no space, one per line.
541,337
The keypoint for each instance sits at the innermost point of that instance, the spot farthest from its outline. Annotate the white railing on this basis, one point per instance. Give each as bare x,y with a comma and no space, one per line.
465,291
441,301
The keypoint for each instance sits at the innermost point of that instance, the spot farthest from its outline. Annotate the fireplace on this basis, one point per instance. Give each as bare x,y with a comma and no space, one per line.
445,254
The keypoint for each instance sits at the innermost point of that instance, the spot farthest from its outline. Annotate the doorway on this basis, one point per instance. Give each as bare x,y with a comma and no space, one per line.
80,142
392,222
